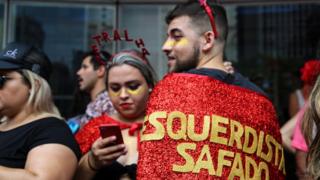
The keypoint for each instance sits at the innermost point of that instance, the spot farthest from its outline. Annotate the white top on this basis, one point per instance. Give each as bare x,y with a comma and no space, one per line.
300,97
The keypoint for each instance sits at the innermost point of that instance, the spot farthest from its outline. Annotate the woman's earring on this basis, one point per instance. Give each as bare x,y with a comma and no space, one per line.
150,90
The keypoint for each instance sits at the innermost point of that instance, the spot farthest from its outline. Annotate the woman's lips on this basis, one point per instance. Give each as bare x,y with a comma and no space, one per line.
125,105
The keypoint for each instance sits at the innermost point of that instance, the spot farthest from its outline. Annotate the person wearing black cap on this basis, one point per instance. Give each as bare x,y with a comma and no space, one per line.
34,141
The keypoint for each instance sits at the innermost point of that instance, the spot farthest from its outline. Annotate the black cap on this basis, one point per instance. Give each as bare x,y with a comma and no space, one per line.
13,57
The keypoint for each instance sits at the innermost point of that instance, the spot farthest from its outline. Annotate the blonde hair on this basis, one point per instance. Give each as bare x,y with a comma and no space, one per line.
40,100
311,118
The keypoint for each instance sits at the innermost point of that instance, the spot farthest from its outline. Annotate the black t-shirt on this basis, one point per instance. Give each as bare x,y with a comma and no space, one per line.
234,79
15,144
115,171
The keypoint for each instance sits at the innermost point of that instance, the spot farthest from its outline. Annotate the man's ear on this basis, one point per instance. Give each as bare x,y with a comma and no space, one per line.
208,40
101,71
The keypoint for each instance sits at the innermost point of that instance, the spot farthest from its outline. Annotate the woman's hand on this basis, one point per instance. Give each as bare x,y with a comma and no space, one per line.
229,67
103,152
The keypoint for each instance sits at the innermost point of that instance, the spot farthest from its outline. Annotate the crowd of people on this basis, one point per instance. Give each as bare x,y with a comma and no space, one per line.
201,121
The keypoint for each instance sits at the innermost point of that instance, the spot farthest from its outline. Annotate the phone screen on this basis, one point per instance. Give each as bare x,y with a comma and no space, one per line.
107,130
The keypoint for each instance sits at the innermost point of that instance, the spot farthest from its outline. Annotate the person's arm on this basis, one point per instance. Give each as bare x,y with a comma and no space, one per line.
100,155
301,166
287,133
84,170
44,162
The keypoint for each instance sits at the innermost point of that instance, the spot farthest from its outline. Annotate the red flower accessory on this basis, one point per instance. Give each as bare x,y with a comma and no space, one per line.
310,72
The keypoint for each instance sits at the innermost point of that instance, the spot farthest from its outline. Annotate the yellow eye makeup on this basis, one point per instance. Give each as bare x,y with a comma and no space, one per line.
169,43
114,93
135,91
182,42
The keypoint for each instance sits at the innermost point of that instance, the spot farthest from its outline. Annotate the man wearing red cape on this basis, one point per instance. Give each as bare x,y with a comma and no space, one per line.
203,123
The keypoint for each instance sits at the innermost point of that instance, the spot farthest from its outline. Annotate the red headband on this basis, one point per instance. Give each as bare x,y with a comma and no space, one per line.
208,10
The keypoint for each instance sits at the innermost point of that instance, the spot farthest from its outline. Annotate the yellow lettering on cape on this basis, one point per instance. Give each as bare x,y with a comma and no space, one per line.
188,166
216,128
220,130
159,129
205,129
182,132
250,132
222,161
237,168
278,148
251,168
236,132
269,155
260,144
282,164
263,167
204,164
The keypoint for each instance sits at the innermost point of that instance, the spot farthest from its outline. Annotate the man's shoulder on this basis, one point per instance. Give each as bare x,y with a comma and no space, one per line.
246,83
235,79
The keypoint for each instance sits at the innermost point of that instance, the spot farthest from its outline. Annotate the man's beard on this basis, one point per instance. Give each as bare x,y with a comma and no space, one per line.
188,64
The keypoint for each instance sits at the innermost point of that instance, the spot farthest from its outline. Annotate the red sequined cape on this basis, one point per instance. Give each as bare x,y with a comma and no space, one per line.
199,96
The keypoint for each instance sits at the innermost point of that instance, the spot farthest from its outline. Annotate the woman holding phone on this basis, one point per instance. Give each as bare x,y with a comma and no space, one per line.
130,79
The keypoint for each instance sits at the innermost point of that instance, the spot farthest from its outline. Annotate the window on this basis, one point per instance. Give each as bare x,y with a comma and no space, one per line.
273,42
2,21
267,42
63,31
147,22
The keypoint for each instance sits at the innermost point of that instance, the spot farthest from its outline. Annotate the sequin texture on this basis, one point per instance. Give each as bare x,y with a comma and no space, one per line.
199,96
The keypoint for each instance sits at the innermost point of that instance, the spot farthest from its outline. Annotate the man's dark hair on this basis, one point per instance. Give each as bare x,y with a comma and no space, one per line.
104,56
200,19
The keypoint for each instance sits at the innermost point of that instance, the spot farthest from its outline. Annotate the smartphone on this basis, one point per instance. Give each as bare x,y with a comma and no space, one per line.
107,130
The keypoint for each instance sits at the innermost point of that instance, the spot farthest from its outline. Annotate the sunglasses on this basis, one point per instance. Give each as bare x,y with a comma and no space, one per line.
3,80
